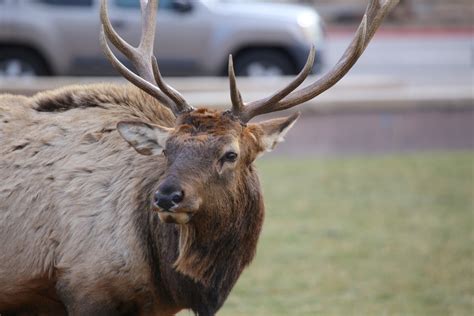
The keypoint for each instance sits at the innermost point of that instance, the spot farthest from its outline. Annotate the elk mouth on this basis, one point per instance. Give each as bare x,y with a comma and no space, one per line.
175,218
175,215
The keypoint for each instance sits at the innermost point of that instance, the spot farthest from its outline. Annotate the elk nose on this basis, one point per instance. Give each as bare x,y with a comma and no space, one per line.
166,198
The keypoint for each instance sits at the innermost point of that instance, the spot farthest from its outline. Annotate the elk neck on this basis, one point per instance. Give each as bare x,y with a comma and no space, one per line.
196,265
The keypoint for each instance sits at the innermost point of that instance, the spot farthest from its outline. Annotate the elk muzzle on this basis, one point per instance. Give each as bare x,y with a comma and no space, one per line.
173,204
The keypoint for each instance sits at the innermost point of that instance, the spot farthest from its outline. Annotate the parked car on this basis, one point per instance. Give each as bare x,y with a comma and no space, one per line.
61,37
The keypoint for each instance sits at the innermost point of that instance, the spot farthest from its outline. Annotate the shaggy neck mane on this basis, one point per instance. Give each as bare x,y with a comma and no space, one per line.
197,264
225,248
213,252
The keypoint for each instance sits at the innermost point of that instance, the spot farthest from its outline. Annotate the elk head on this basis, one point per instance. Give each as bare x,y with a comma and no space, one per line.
210,153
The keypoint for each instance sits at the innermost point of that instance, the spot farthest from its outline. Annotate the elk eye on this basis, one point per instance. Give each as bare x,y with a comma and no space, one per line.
230,156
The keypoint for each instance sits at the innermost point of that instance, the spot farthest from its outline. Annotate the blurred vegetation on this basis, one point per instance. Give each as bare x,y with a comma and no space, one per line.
363,236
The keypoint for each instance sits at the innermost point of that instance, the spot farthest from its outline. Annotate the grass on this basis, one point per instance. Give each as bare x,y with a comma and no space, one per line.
363,236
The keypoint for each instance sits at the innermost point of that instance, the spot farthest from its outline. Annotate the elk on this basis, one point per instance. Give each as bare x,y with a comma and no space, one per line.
124,199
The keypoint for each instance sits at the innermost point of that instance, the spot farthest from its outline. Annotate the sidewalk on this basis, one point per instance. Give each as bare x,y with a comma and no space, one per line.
353,93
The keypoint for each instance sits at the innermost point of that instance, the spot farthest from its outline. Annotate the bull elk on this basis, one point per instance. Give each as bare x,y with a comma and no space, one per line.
90,226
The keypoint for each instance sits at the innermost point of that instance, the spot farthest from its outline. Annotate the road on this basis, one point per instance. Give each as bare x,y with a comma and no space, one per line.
417,57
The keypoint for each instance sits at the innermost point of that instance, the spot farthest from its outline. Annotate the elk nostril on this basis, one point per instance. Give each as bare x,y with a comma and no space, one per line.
166,201
177,197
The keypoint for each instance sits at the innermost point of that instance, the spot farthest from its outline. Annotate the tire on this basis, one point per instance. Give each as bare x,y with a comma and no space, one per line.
21,62
263,62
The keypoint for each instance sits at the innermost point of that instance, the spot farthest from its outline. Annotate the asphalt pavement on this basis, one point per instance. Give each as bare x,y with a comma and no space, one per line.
414,56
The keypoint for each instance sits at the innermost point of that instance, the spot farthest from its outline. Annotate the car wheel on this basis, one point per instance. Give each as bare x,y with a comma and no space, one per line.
263,63
19,62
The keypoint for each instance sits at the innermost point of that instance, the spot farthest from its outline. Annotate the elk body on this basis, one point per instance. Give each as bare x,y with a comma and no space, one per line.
118,200
78,222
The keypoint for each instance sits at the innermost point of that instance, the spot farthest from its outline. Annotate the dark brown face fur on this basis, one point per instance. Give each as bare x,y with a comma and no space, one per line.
208,155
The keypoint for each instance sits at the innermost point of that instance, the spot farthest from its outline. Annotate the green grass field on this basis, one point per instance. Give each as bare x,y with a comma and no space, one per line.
363,236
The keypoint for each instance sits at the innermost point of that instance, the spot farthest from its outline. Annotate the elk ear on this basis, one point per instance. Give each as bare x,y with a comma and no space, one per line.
147,139
273,131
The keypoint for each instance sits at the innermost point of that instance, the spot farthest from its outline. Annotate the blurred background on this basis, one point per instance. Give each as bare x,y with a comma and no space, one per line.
370,200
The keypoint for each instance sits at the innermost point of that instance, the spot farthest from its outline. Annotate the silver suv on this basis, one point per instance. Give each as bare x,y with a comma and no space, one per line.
194,37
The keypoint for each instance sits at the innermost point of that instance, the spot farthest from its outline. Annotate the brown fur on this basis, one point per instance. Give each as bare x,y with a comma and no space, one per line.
77,225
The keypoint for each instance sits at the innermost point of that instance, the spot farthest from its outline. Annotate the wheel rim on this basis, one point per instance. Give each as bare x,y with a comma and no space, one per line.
16,68
258,69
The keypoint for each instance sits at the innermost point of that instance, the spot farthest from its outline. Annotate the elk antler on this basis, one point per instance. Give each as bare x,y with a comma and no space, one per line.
149,77
286,97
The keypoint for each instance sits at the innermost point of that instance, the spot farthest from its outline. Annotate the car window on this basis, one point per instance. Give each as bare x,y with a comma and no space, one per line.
164,4
71,3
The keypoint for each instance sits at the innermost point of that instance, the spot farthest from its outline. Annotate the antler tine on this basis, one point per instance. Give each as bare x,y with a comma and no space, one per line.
131,76
172,93
148,10
345,63
112,35
241,109
265,105
133,54
141,57
373,17
235,96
